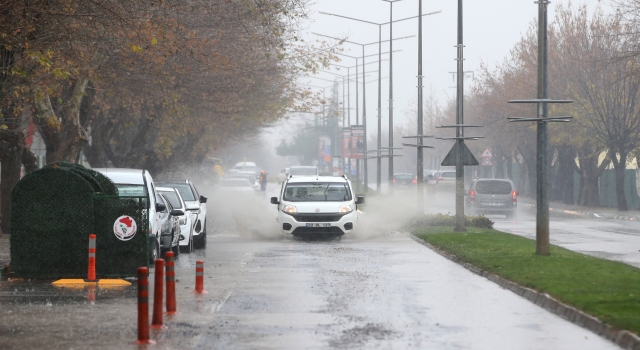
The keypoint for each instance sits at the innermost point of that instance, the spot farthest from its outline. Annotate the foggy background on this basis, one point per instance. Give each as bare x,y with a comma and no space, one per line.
491,29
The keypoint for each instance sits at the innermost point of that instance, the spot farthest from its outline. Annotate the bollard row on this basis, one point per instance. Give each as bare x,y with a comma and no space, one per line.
143,294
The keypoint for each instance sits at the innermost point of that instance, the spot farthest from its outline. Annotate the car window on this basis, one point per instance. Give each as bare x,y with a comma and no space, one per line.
303,171
317,192
184,189
126,190
172,197
493,187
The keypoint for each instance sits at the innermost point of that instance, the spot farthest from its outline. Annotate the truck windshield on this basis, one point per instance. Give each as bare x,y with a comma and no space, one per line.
317,192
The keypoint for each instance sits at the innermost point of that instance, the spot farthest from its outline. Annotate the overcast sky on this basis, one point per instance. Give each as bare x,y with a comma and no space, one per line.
491,29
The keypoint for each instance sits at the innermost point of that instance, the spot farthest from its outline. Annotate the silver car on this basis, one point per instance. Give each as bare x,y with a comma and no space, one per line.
492,196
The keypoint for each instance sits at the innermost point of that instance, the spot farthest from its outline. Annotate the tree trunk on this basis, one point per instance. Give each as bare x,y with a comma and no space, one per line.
13,146
566,168
620,166
62,133
590,172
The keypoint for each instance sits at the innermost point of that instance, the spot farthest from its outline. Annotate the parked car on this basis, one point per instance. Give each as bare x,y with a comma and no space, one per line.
323,205
185,238
492,196
139,183
404,180
169,225
196,205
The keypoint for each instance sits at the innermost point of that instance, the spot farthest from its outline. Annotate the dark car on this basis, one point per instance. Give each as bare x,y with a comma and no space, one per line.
169,225
492,196
404,180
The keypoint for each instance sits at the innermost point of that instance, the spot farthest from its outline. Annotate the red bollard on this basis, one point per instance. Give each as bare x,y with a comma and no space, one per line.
91,274
199,277
171,283
156,321
143,306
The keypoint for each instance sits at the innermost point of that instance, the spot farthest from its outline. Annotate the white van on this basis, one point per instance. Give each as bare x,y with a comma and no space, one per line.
138,183
317,206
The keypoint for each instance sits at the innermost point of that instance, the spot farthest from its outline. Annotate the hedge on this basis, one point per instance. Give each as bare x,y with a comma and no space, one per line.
432,220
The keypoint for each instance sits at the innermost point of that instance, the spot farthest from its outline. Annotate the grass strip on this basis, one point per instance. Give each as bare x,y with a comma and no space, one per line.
605,289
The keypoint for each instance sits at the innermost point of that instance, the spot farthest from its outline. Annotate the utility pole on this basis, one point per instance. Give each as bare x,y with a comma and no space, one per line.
542,175
391,93
420,169
460,220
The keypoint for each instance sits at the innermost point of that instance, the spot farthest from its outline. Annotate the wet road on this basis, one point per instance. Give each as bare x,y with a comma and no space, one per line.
374,289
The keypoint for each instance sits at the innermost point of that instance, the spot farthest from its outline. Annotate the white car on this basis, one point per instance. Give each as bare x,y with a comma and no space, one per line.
186,224
236,184
197,208
249,175
248,166
317,206
304,171
138,183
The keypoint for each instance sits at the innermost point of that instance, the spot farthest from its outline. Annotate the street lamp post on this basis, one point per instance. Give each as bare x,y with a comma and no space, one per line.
379,159
391,94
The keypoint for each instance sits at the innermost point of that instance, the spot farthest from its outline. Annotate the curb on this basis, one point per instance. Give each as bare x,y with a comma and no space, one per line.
622,338
586,214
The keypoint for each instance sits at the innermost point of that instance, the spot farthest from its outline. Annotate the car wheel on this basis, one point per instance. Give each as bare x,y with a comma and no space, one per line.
189,247
176,250
154,253
201,240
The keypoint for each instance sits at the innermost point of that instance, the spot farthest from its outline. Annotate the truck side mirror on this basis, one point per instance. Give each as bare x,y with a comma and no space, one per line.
274,200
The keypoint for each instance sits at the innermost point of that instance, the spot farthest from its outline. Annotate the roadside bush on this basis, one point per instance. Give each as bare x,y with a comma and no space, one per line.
432,220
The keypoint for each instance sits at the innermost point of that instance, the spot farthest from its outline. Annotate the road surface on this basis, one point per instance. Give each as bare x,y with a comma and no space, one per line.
374,289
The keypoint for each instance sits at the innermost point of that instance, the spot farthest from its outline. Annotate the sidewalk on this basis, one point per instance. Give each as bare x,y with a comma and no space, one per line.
587,212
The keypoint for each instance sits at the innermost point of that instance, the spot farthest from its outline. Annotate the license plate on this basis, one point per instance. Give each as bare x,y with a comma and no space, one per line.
493,204
318,224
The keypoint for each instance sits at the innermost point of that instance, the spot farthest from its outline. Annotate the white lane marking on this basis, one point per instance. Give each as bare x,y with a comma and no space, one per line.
216,306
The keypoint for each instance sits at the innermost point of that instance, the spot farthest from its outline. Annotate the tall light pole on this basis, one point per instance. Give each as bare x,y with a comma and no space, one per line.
543,100
420,169
379,145
364,105
391,93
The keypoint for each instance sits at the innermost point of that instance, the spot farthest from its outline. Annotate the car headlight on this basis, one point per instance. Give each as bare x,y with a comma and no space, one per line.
289,209
344,209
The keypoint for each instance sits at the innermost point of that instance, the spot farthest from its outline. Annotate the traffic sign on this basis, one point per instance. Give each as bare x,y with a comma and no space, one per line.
467,156
487,153
487,161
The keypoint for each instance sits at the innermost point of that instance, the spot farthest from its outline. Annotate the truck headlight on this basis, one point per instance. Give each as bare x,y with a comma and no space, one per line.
344,209
289,209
